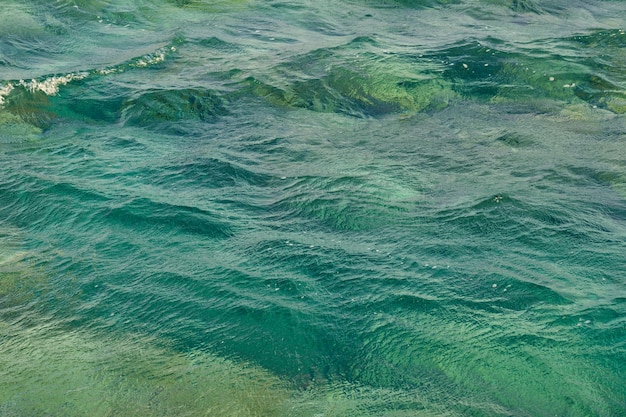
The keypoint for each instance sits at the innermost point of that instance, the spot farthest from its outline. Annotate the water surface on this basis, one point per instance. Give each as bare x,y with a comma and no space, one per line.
231,208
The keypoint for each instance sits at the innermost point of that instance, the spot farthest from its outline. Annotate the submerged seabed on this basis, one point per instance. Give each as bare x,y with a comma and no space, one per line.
349,208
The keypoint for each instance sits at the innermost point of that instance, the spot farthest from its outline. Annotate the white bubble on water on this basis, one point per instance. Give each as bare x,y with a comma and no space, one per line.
5,91
50,86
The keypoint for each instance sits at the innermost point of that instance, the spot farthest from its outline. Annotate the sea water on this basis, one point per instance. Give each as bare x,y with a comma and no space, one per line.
294,208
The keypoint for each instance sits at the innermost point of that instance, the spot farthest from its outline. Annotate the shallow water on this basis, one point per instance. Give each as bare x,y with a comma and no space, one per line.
398,208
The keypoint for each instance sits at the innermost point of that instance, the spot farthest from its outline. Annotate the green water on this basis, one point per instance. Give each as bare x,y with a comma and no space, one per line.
353,208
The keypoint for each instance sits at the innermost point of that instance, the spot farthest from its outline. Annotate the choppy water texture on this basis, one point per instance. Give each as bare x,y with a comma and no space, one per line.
281,208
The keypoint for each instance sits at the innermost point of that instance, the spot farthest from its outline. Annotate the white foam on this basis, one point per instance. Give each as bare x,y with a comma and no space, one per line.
5,91
108,71
50,86
150,59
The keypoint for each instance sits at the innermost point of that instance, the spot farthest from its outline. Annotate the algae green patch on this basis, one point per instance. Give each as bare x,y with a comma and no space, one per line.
30,106
18,286
616,104
14,129
364,95
615,179
364,85
54,370
379,92
49,371
489,72
367,85
173,105
483,72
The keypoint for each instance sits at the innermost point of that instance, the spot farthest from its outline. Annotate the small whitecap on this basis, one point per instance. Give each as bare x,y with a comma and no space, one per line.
5,91
50,86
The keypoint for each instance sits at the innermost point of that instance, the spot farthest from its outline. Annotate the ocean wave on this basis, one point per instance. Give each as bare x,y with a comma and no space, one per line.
29,99
354,208
50,85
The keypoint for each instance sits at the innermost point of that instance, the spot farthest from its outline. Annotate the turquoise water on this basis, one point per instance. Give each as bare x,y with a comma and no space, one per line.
349,208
